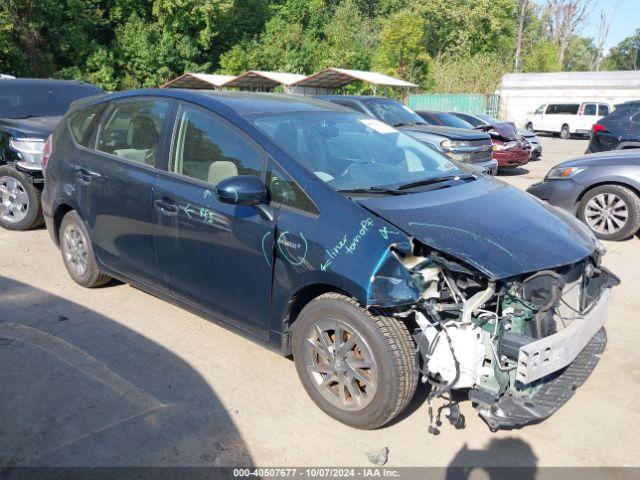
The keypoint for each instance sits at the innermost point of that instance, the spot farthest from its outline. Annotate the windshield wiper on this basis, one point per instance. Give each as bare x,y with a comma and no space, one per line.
378,190
433,181
409,124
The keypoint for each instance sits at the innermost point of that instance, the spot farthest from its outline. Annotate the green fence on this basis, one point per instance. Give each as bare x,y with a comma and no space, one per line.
485,104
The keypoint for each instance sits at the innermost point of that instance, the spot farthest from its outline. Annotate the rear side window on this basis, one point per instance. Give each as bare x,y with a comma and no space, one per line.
132,130
285,191
590,109
603,110
83,124
207,148
563,108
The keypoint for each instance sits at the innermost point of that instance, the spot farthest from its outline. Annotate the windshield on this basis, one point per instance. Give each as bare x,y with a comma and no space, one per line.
488,119
350,151
393,112
450,120
32,100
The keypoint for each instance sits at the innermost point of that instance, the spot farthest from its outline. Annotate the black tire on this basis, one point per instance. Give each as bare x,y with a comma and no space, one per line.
33,217
390,346
90,276
529,126
631,204
565,133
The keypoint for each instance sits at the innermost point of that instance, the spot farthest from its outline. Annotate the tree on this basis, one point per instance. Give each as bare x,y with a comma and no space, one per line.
625,55
603,33
544,57
579,55
565,18
402,51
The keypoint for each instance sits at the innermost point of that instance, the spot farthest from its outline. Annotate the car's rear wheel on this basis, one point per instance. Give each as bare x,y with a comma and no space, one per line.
565,133
612,212
358,367
20,207
77,252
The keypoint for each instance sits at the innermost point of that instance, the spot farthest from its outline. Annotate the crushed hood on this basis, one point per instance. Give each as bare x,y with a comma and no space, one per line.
488,224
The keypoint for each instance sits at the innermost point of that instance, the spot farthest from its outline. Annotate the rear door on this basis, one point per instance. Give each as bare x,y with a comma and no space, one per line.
122,180
211,254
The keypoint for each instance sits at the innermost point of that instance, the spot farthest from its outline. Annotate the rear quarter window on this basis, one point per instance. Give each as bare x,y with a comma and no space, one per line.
83,124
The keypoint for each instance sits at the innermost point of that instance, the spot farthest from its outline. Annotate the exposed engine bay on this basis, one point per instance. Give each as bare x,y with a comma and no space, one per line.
519,346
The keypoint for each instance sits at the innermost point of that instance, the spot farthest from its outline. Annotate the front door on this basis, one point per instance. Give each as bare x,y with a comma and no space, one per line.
211,254
122,181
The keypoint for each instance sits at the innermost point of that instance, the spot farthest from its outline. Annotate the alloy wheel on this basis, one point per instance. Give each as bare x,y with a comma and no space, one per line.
341,364
606,213
14,200
75,249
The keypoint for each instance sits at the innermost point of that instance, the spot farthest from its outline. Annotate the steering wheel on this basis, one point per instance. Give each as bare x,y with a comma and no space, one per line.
347,170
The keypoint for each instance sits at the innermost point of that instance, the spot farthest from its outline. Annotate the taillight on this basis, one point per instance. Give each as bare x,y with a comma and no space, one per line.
46,152
597,128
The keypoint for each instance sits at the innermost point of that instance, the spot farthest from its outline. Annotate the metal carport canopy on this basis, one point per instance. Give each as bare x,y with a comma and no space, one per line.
261,79
339,77
198,81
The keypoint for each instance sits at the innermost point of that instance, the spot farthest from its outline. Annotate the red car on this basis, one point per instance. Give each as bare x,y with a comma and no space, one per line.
514,153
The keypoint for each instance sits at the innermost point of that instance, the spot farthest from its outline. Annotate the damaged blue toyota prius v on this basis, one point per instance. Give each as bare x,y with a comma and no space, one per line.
327,235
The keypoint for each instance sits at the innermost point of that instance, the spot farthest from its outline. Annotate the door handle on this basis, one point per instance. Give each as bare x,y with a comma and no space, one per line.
84,176
166,206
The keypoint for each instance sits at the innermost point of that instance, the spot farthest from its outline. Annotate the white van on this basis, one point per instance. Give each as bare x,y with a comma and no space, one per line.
567,118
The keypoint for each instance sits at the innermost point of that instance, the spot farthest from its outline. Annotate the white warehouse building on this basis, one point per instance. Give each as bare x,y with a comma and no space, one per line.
522,93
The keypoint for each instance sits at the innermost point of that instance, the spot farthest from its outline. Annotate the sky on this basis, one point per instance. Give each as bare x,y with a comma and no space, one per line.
625,22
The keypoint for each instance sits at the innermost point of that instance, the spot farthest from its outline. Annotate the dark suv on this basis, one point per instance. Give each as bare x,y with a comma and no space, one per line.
460,144
29,111
617,131
329,235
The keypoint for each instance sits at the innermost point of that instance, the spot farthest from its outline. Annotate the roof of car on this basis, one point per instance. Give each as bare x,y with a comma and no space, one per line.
352,97
43,82
244,103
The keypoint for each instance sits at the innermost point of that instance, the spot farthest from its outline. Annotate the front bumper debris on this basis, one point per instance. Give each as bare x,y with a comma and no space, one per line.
549,354
512,412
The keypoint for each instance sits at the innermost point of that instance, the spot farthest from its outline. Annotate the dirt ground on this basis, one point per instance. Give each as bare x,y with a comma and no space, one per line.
114,376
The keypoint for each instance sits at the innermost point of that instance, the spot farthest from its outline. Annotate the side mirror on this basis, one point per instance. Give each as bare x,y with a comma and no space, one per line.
242,190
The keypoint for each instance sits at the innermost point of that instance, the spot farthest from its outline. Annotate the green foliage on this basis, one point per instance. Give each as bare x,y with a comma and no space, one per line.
625,55
452,46
402,51
544,57
480,73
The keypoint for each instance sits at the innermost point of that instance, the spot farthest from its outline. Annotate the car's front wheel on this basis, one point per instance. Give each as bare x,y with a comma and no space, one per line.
612,212
357,366
529,127
565,133
20,207
77,252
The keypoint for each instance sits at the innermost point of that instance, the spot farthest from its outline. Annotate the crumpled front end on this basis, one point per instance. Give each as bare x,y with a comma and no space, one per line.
520,346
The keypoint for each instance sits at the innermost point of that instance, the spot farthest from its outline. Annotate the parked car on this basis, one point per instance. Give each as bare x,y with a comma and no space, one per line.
566,119
457,143
479,120
617,131
29,111
601,189
510,149
327,234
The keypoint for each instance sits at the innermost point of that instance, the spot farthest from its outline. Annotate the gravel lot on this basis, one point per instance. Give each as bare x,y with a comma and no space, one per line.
114,376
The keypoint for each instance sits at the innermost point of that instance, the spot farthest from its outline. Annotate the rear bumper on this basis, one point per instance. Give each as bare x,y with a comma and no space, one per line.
511,412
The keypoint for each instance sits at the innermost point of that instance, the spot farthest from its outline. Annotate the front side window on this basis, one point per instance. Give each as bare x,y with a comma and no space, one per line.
84,122
285,191
349,151
539,110
132,130
208,149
